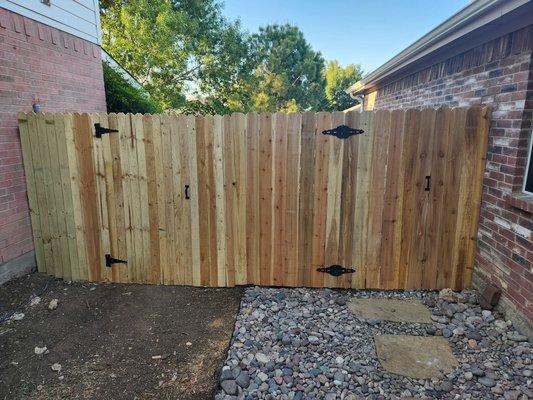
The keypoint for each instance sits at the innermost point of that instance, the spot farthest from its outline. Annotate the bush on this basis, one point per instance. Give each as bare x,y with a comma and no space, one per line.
123,97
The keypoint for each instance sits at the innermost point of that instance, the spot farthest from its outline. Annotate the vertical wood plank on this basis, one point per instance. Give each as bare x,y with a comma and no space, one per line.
292,166
205,188
219,165
419,244
392,217
365,152
104,187
475,145
169,265
409,206
194,216
321,166
478,141
46,130
436,196
239,126
182,206
114,181
152,145
265,196
333,208
83,140
279,175
378,183
27,128
62,124
348,198
229,196
80,269
305,199
55,129
252,200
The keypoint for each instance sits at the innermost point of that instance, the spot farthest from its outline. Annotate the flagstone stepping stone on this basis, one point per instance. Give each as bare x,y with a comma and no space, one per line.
395,310
418,357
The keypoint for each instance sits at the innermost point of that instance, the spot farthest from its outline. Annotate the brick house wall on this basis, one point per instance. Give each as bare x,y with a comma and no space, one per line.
65,74
499,74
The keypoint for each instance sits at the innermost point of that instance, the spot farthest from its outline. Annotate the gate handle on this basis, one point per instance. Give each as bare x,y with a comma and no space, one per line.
187,197
428,183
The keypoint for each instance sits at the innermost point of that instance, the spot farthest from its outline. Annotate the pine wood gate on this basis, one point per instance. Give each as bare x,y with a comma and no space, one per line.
258,198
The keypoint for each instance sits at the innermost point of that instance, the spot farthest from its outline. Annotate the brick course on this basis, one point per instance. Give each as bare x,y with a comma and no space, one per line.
499,74
65,74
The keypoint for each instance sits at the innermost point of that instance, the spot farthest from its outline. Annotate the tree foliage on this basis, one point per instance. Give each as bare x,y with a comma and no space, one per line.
192,59
176,48
122,97
288,73
338,79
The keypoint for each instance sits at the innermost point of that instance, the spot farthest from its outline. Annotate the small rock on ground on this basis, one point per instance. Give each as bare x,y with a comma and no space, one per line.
295,344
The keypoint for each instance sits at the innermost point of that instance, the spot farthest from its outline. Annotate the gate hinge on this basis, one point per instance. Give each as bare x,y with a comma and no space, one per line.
336,270
343,132
100,130
109,261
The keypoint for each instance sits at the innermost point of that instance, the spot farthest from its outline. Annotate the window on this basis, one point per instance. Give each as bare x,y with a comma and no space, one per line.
528,176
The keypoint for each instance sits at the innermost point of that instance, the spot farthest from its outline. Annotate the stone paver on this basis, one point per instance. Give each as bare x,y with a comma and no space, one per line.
416,357
395,310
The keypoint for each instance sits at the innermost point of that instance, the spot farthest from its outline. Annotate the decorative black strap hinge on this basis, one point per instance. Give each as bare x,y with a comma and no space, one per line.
100,130
109,261
336,270
343,132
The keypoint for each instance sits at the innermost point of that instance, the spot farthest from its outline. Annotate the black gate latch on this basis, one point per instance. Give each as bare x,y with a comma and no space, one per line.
109,261
100,130
336,270
343,132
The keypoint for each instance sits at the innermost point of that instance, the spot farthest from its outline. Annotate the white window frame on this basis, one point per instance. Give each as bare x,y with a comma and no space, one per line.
529,162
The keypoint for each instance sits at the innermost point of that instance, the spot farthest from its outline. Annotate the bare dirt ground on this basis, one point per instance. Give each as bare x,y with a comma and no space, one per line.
114,341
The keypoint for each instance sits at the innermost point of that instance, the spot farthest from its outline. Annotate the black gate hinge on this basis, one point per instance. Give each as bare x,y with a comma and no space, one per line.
100,130
343,132
109,261
336,270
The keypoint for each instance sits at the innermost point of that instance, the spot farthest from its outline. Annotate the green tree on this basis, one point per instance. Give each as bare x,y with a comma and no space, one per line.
122,97
338,79
288,73
177,48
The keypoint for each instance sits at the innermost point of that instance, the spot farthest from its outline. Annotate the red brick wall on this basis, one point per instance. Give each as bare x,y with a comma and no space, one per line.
499,74
65,74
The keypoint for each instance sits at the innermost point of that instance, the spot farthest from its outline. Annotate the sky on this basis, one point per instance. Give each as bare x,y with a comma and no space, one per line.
365,32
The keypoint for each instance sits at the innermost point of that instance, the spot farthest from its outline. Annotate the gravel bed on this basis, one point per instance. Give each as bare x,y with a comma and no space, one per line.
306,344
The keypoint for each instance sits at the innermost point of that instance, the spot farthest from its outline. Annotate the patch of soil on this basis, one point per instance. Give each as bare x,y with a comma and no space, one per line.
114,341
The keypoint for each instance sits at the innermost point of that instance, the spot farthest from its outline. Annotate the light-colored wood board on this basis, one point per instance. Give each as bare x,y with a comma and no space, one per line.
334,198
305,199
26,128
219,165
392,219
239,124
265,197
362,201
320,199
253,179
290,243
377,187
279,192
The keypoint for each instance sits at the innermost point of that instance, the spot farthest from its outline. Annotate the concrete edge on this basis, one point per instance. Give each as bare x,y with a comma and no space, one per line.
19,266
521,323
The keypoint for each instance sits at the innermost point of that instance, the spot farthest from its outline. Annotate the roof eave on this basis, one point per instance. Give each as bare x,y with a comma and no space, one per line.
471,17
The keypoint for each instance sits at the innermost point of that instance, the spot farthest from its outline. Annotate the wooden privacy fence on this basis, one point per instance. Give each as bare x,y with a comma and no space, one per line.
258,198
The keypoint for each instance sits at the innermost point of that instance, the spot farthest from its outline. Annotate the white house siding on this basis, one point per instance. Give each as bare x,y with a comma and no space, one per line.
77,17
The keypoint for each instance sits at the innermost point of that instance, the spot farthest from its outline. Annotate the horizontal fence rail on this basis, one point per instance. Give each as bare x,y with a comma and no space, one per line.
264,199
